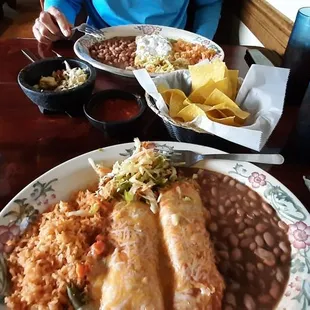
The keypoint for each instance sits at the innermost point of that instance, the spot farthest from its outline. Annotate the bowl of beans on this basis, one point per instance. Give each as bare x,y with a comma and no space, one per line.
115,112
157,49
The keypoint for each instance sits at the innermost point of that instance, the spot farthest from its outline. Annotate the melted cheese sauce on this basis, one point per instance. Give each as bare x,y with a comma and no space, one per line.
96,279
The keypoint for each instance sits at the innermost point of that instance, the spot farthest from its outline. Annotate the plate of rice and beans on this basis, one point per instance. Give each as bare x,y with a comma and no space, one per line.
122,228
158,49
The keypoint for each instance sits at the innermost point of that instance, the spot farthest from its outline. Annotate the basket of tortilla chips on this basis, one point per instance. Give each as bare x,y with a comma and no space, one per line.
209,102
208,91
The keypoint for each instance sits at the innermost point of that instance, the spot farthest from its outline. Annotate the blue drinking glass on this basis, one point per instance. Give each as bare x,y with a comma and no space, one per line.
297,58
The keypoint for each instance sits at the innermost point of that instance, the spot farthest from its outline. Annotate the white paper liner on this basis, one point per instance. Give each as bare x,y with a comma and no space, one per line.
261,94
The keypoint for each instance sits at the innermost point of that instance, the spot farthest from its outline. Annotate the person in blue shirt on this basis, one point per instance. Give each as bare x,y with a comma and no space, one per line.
56,21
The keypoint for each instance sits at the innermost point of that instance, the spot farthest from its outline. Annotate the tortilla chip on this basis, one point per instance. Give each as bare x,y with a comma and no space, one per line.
201,74
166,96
217,114
174,108
230,121
232,110
203,92
224,86
187,102
190,112
203,107
162,88
214,88
176,105
222,117
176,93
218,97
233,77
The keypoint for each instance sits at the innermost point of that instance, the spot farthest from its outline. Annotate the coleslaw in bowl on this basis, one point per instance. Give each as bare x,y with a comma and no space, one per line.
67,100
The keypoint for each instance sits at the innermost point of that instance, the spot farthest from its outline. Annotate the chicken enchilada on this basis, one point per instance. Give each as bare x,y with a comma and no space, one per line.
132,281
198,284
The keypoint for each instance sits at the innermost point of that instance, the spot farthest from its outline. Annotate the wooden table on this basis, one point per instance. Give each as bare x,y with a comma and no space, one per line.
32,143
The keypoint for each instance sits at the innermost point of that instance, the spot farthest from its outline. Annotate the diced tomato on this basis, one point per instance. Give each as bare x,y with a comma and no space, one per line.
98,248
105,170
106,204
100,238
81,270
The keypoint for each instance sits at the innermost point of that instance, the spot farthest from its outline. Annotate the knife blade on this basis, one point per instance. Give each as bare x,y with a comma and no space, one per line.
273,159
29,55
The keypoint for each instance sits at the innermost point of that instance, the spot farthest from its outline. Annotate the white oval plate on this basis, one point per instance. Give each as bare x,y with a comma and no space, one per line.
75,174
81,46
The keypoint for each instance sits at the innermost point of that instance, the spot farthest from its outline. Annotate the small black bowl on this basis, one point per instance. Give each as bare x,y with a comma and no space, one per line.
114,128
70,101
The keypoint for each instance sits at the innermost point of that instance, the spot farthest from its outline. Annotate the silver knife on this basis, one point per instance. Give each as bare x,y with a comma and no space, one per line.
189,158
29,55
272,159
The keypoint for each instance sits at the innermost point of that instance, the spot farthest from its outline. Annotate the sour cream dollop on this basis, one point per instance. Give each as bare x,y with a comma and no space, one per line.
152,45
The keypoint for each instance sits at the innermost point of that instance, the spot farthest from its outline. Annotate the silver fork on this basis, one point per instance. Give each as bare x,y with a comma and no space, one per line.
189,158
87,29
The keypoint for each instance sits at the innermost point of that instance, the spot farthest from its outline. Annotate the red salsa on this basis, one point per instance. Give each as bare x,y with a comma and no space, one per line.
116,109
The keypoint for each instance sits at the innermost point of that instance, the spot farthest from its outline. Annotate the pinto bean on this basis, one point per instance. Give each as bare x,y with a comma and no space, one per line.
249,302
252,195
261,227
236,254
275,289
284,247
267,208
269,239
233,239
267,257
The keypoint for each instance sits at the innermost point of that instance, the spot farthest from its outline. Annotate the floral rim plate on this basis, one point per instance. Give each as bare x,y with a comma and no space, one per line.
75,174
81,45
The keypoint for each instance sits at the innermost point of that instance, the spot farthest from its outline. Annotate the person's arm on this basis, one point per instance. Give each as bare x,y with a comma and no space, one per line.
207,17
69,8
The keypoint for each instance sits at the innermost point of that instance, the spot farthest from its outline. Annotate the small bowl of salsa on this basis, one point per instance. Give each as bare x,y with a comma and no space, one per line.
113,111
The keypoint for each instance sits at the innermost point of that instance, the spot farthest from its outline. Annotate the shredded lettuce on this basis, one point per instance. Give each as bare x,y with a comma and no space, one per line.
138,176
129,197
94,208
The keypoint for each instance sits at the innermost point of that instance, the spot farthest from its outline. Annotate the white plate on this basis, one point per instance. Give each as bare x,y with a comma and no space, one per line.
58,183
81,46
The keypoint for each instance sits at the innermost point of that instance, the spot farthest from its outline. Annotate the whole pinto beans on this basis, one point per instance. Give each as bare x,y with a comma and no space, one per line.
118,52
251,243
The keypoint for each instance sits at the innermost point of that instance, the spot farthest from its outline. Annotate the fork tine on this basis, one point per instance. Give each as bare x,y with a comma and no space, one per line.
164,152
169,153
92,29
89,30
176,157
179,164
81,27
